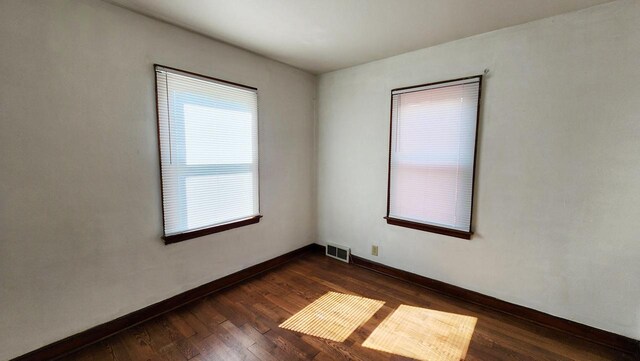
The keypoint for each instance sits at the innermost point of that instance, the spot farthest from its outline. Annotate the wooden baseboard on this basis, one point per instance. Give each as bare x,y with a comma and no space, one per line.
100,332
318,248
606,338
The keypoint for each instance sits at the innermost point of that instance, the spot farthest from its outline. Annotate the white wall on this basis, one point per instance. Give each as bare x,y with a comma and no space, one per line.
80,209
558,182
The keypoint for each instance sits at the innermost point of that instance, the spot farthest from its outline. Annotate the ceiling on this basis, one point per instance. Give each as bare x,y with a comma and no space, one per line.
325,35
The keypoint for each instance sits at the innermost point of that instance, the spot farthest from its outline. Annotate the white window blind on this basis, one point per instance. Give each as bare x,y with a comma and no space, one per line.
433,136
208,149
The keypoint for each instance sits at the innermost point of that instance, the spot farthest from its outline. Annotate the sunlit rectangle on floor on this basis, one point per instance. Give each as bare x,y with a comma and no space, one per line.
423,334
334,316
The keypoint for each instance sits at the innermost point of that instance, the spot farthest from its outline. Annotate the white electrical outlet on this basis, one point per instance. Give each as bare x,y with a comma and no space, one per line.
374,250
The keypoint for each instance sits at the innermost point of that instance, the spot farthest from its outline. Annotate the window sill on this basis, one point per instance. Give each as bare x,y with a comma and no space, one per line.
210,230
429,228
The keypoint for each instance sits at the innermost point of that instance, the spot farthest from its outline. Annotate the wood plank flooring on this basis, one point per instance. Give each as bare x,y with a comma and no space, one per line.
241,323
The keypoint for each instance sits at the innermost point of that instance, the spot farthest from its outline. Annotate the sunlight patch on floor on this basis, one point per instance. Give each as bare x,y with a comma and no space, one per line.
334,316
423,334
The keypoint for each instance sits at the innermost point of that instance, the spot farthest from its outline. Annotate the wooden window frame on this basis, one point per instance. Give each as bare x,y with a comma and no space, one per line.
195,233
424,226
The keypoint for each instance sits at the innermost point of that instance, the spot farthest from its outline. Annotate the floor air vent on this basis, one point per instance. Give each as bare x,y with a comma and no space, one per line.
338,252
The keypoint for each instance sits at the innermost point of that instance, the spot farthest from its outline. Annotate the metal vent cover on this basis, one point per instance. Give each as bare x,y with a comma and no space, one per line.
339,252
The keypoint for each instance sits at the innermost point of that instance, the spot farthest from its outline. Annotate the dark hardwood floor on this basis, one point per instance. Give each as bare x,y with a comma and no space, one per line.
241,323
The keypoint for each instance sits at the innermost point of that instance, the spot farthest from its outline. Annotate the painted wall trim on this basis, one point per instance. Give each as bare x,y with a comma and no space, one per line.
85,338
596,335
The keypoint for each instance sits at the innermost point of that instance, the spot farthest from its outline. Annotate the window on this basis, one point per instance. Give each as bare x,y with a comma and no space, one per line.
208,132
432,156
